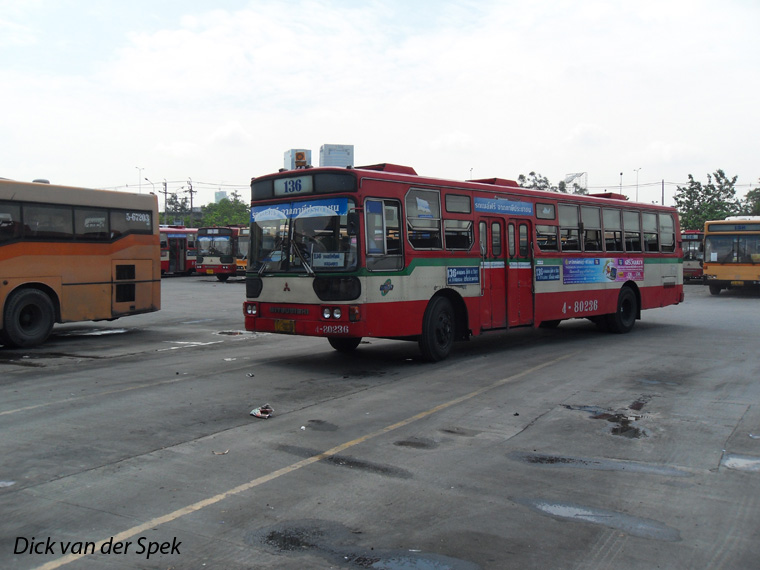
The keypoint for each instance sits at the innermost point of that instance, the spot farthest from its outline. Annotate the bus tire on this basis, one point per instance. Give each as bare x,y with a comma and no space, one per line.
622,320
343,344
222,278
28,318
438,330
715,289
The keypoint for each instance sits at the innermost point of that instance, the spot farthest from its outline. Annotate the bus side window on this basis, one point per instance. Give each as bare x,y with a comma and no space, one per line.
10,222
523,240
632,225
383,234
667,233
511,239
649,223
496,239
569,228
423,218
546,238
48,222
613,230
91,224
592,228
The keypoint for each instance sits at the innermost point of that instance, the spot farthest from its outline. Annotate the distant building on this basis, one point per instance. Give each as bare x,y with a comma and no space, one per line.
297,158
336,155
220,195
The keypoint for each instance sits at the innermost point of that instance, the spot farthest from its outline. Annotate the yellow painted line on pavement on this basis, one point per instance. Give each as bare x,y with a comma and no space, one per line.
174,515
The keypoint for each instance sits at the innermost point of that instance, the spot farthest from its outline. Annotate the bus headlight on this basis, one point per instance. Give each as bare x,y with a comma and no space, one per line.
326,312
337,313
250,309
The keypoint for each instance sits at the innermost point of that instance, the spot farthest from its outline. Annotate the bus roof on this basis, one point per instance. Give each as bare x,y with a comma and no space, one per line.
54,194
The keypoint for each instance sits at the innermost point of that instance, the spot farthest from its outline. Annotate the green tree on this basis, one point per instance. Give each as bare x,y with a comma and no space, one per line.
536,182
697,202
751,204
226,212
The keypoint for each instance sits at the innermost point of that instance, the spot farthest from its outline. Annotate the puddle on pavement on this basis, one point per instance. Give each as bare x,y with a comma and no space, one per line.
90,332
624,420
337,545
635,526
741,462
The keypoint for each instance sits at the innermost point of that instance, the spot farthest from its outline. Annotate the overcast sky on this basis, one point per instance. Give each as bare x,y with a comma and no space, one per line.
108,93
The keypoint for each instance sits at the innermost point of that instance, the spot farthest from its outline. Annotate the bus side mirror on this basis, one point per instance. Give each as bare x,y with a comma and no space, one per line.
352,223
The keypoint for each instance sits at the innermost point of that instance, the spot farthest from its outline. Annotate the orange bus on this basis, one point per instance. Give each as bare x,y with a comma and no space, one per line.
222,251
379,251
732,253
693,254
73,254
178,251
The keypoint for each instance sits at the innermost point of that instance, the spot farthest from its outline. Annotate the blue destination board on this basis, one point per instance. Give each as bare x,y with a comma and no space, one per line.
462,275
500,206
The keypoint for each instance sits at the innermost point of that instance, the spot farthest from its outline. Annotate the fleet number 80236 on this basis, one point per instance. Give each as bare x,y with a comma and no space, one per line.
578,307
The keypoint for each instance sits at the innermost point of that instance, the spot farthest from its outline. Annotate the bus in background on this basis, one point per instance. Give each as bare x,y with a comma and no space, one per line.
177,250
379,251
241,253
73,254
219,250
732,253
693,254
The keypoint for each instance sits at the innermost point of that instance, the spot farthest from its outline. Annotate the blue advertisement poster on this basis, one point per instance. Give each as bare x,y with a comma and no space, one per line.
601,270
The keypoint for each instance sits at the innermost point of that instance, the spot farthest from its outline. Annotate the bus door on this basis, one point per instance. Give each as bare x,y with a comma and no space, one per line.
177,254
493,308
519,273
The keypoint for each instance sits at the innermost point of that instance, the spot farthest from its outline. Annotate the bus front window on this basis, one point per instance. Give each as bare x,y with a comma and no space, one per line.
212,245
303,237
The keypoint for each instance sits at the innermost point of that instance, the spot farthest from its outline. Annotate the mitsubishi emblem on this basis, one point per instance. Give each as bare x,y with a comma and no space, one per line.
286,288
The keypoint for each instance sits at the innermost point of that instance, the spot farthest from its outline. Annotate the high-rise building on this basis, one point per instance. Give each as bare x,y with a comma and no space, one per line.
219,195
336,155
297,158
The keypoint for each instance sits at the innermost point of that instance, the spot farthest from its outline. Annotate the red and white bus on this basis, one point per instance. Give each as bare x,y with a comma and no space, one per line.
177,250
693,254
220,248
379,251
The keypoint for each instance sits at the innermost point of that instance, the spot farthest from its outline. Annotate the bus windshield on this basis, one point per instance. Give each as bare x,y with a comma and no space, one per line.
732,248
303,237
214,245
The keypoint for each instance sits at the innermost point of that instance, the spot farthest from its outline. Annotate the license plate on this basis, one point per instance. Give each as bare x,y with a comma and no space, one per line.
737,283
284,326
209,271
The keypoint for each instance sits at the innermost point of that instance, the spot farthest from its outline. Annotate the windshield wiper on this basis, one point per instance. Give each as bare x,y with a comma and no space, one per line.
301,256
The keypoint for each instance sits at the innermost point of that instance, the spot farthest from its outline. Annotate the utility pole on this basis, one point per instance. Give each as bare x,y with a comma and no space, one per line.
191,192
166,193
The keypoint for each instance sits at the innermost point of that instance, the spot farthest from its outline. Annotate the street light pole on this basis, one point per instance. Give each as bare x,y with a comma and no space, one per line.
139,177
636,170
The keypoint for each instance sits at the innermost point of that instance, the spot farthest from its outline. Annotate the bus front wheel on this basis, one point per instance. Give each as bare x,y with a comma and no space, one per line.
28,319
622,320
343,344
715,289
222,277
438,330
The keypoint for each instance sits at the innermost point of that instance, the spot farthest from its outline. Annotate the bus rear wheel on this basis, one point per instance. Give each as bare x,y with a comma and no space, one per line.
343,344
28,319
622,320
438,330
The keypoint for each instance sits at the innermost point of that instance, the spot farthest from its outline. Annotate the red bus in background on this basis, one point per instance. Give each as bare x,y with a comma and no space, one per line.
220,248
378,251
177,250
693,254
